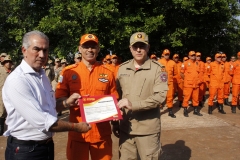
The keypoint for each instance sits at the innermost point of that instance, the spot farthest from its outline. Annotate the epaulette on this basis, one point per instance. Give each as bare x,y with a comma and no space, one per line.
125,62
70,67
158,63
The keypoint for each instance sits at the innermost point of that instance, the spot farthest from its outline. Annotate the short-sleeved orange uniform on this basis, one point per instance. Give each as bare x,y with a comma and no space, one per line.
78,78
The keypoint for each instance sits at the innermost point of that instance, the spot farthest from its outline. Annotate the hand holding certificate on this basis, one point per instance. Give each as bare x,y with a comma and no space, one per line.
96,109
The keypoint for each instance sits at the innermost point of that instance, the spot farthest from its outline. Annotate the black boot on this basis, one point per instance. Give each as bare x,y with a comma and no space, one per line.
200,104
226,102
180,104
204,98
209,109
233,108
185,112
170,113
196,111
2,121
220,109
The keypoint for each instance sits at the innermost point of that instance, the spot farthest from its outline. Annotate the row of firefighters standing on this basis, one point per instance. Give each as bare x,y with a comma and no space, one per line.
192,77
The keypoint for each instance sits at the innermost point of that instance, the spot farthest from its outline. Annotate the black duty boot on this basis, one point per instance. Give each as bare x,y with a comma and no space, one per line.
233,109
170,113
200,104
204,98
185,112
209,109
196,111
180,104
226,102
2,121
220,109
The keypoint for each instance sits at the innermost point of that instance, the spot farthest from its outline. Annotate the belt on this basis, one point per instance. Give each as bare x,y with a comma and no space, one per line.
29,142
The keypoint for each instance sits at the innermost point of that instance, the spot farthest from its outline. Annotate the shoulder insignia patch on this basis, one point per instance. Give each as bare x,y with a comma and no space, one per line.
60,78
163,77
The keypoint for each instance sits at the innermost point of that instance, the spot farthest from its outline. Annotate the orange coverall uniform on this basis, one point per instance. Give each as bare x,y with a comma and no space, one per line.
116,70
190,70
235,71
171,69
110,67
178,82
206,77
227,79
99,81
216,85
201,77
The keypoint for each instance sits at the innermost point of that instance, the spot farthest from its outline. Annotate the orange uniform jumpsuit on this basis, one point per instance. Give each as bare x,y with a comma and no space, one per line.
171,69
227,79
78,78
206,77
116,70
216,85
191,70
178,82
235,71
201,77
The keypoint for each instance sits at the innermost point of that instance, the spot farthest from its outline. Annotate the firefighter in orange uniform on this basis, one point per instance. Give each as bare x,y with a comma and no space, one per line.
108,63
171,69
154,57
178,81
190,73
185,59
227,79
206,76
216,85
87,78
115,64
235,71
201,77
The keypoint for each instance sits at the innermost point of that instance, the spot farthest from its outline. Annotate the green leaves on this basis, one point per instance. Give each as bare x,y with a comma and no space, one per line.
180,25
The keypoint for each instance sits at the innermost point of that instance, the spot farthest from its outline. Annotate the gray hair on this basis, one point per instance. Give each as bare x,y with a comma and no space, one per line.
26,37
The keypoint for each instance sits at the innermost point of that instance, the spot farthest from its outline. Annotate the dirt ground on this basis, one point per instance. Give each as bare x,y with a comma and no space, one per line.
210,137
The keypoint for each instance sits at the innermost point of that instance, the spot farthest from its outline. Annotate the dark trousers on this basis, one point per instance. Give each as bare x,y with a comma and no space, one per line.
15,151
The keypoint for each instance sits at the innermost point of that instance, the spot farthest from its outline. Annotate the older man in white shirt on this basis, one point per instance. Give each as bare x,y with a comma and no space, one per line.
31,106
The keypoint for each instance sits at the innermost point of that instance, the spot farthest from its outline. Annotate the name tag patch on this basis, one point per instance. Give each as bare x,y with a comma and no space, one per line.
103,80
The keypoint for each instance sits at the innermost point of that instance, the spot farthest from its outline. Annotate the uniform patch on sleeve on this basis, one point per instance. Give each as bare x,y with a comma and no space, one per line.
60,79
163,77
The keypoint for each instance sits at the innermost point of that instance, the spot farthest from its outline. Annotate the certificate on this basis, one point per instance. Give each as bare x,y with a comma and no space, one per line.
96,109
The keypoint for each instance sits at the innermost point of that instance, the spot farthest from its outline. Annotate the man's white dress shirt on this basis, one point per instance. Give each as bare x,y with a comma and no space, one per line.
30,104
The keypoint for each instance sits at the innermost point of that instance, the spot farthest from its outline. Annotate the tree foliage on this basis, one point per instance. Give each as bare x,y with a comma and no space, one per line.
180,25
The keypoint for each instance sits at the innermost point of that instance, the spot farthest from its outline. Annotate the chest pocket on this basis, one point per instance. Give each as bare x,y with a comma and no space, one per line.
101,88
138,89
124,84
